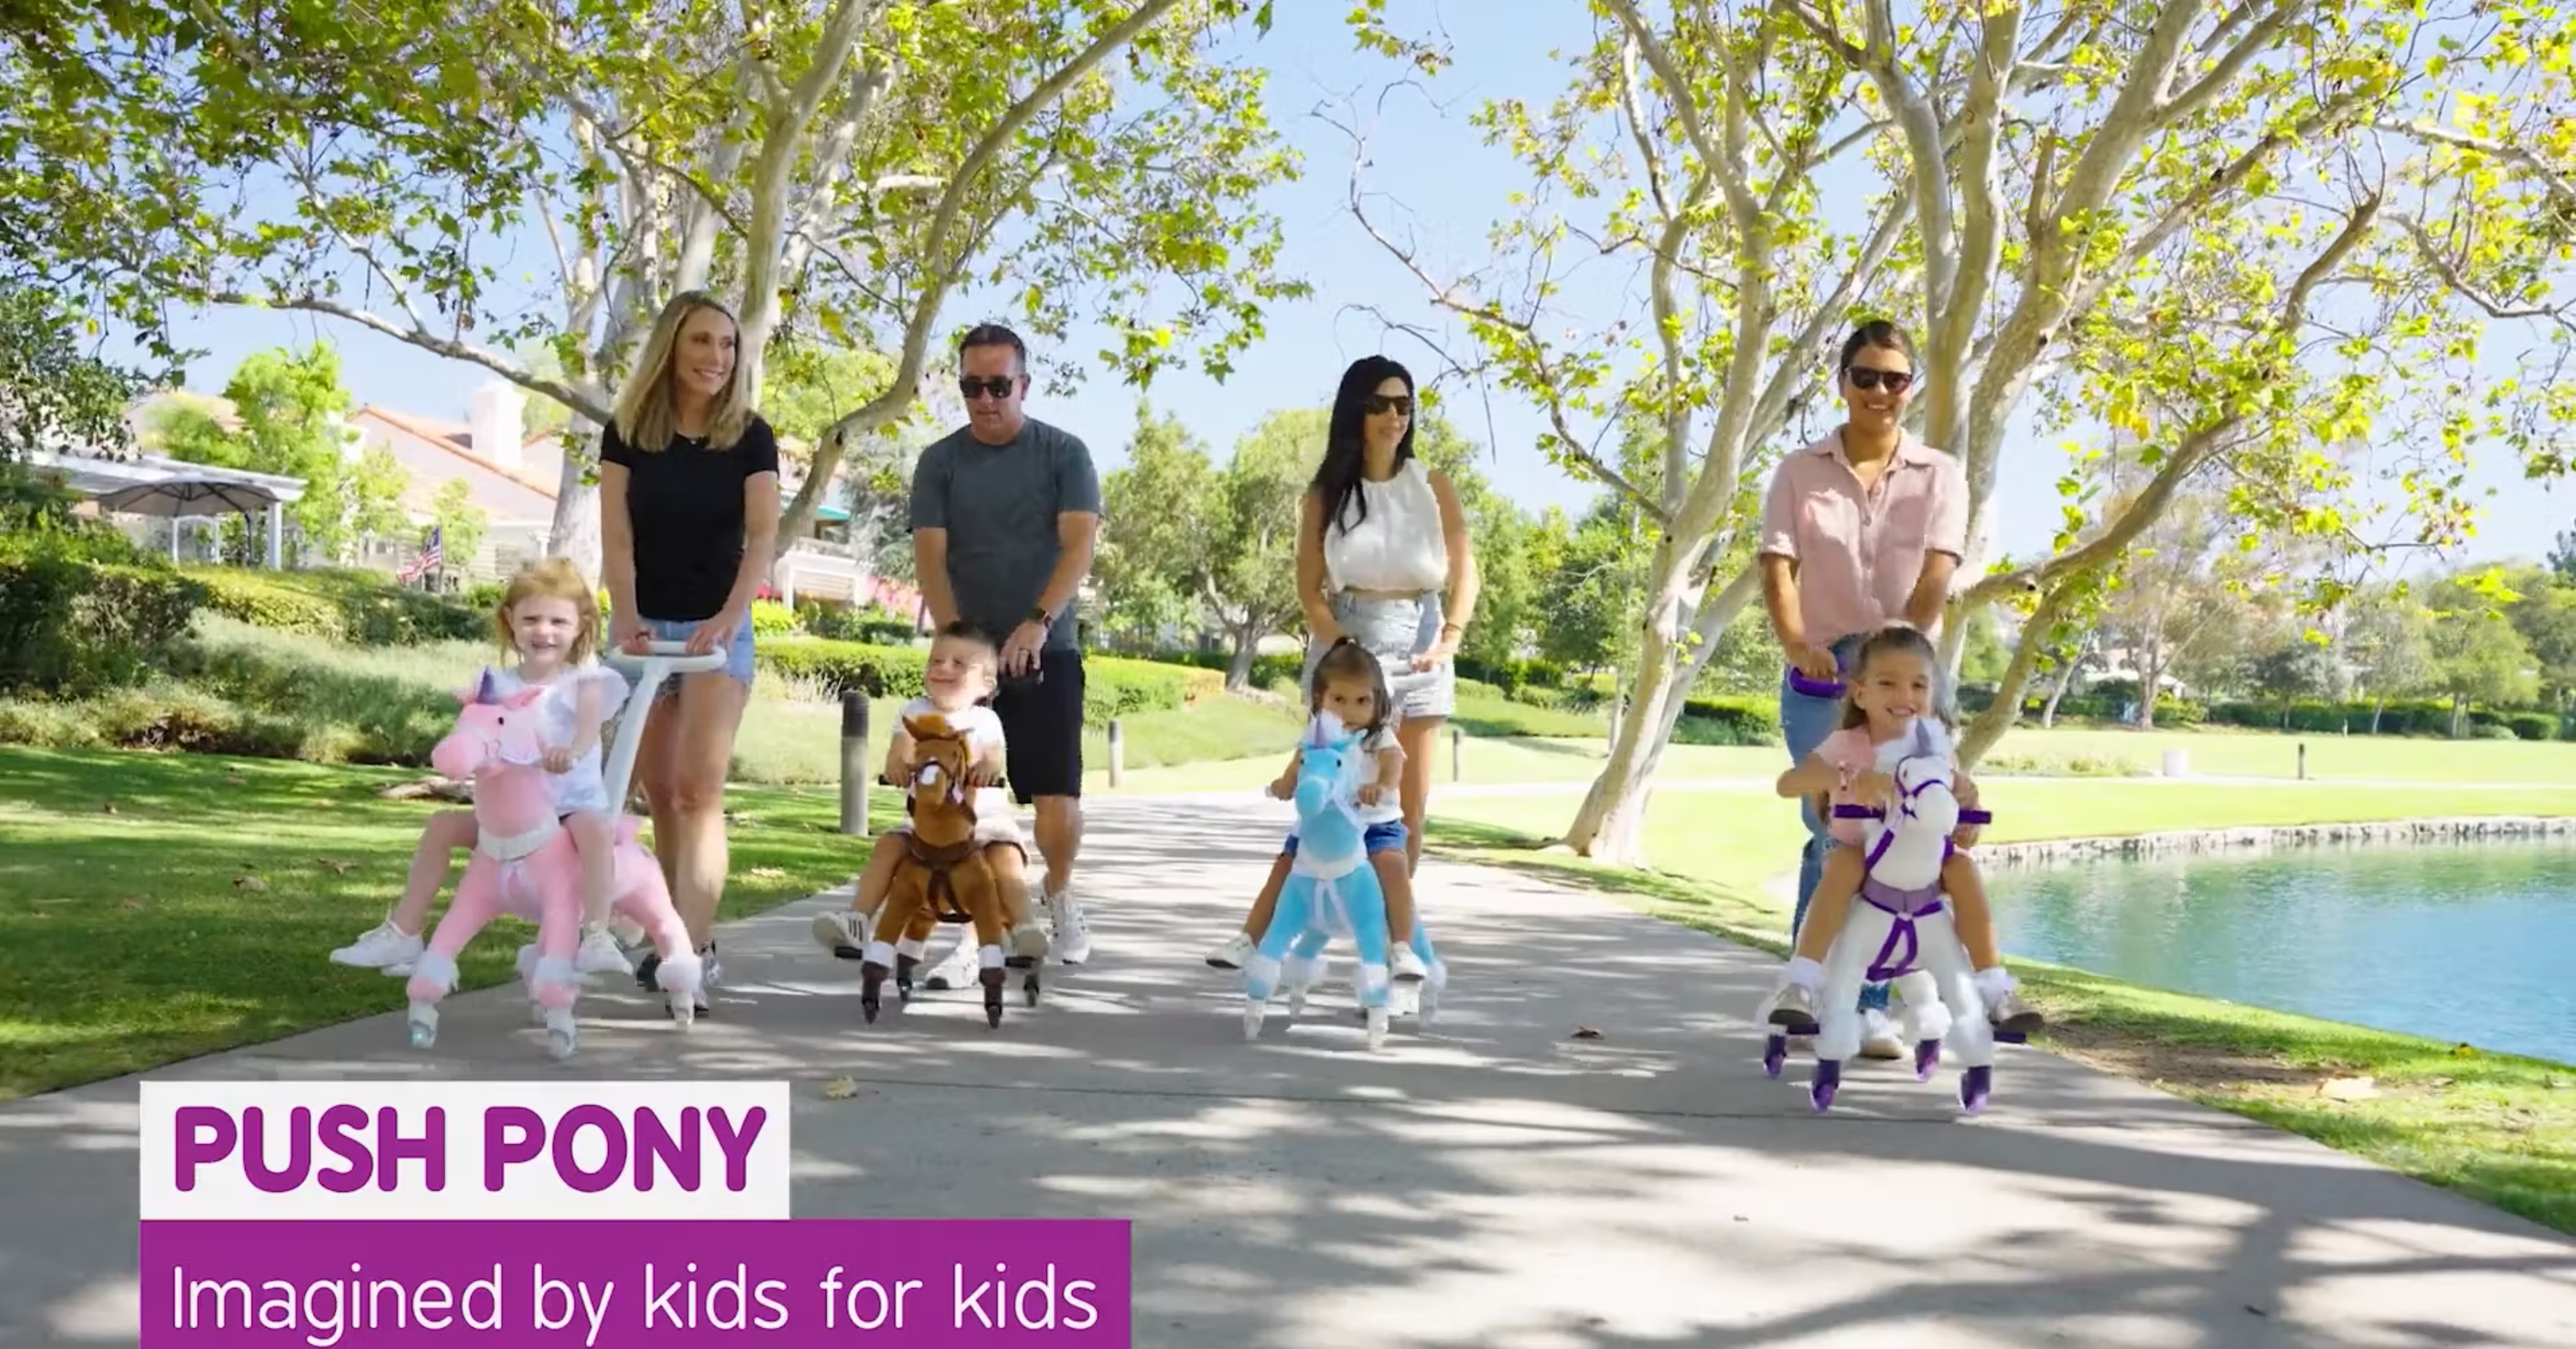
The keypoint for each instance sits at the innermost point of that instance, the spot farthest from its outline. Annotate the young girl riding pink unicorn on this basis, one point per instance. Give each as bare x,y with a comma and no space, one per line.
548,619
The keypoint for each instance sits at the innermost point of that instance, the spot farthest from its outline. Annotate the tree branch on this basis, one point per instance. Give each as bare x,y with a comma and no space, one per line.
2195,449
2560,186
904,386
587,400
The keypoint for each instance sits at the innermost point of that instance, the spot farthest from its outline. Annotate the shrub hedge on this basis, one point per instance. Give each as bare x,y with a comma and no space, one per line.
1111,687
341,606
83,610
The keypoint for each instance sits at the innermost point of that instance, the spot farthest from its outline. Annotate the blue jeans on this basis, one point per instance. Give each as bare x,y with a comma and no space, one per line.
1805,721
738,652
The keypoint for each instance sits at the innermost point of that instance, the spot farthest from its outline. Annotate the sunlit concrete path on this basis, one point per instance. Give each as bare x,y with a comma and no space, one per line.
1502,1183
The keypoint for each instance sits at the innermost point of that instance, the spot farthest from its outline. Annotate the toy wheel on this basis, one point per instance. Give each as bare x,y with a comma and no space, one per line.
1820,1093
1029,988
1975,1085
1927,1057
1775,1054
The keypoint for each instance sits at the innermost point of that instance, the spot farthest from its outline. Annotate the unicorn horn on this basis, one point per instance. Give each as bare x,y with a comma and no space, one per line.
484,692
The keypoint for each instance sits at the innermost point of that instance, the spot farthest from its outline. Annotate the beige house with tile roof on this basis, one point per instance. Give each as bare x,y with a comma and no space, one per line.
514,478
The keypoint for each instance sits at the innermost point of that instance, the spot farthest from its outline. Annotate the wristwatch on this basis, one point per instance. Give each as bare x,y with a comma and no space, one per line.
1041,617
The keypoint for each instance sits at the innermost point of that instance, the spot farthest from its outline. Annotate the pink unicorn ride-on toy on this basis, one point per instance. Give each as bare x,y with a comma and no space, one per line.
1900,931
524,865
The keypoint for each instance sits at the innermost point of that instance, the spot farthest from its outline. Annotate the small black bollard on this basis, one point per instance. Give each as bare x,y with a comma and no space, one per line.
854,762
1457,752
1117,753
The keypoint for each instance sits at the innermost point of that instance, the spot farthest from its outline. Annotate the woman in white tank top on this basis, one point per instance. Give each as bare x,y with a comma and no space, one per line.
1381,538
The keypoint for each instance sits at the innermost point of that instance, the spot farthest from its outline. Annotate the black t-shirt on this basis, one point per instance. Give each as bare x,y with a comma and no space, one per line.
684,506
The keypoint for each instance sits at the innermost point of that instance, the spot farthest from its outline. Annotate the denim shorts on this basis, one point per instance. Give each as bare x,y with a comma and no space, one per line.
1384,836
738,654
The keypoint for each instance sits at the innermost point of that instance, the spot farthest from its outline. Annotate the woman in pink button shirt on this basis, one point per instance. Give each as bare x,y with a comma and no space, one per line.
1862,528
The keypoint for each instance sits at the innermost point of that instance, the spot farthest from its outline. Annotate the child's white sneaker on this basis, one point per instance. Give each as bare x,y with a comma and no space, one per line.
1232,952
1403,966
1791,1006
2004,1008
1028,942
599,953
384,947
843,932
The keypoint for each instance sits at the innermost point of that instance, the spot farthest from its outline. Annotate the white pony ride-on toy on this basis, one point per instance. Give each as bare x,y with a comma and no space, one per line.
1900,930
662,660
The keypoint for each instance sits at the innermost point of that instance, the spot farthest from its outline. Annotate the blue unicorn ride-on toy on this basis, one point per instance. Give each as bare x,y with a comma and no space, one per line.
1331,891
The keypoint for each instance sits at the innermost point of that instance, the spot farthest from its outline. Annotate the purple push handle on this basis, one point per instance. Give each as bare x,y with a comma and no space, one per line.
1814,688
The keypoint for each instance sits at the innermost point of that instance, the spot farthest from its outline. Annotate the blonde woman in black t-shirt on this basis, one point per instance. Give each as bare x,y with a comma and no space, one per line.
688,511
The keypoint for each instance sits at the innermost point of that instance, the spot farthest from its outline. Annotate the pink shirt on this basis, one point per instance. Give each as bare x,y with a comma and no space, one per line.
1859,553
1852,754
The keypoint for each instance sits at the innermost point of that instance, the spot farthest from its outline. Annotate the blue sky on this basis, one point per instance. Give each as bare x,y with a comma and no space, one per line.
1439,179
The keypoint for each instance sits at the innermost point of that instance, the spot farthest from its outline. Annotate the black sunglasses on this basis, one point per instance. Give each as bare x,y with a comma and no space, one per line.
1871,377
999,386
1378,402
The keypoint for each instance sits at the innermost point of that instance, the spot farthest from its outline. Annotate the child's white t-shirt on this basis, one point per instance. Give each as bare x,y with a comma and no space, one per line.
583,786
983,729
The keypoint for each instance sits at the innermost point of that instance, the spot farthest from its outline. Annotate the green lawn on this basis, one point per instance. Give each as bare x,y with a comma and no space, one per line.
2070,758
2497,1128
158,906
1715,832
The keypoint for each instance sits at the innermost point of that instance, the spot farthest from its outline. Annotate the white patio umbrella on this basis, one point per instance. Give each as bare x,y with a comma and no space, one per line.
173,498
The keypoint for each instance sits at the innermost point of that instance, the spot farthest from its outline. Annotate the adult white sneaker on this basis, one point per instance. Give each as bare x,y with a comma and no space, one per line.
384,947
1404,967
1879,1039
1232,952
599,954
1072,935
959,968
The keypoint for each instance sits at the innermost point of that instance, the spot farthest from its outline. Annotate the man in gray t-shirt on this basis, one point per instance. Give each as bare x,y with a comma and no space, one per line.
1004,514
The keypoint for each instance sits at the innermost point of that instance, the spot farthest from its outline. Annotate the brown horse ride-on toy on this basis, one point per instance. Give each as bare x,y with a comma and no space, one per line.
942,876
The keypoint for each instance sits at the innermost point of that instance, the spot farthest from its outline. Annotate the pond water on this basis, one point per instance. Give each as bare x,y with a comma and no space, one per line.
2461,942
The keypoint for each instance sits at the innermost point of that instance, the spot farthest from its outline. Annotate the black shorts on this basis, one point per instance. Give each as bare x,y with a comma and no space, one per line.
1042,724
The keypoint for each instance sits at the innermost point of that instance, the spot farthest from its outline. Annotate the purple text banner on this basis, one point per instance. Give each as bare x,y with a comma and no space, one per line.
606,1284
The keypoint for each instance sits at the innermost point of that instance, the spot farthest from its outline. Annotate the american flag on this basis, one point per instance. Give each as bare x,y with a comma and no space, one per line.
430,557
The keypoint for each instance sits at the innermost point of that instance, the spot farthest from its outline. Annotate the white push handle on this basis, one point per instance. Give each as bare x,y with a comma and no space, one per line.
673,657
661,661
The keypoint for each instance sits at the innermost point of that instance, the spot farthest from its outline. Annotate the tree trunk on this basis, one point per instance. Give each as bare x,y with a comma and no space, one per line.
2151,678
1999,716
575,534
1611,824
1247,647
2459,709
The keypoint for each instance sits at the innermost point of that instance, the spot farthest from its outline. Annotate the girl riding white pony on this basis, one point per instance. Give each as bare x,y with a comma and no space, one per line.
1887,725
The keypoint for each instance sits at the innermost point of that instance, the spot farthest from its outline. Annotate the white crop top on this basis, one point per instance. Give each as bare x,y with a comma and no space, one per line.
1399,547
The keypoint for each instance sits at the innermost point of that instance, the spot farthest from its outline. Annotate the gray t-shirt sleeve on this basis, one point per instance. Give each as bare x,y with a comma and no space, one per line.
1077,483
930,489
